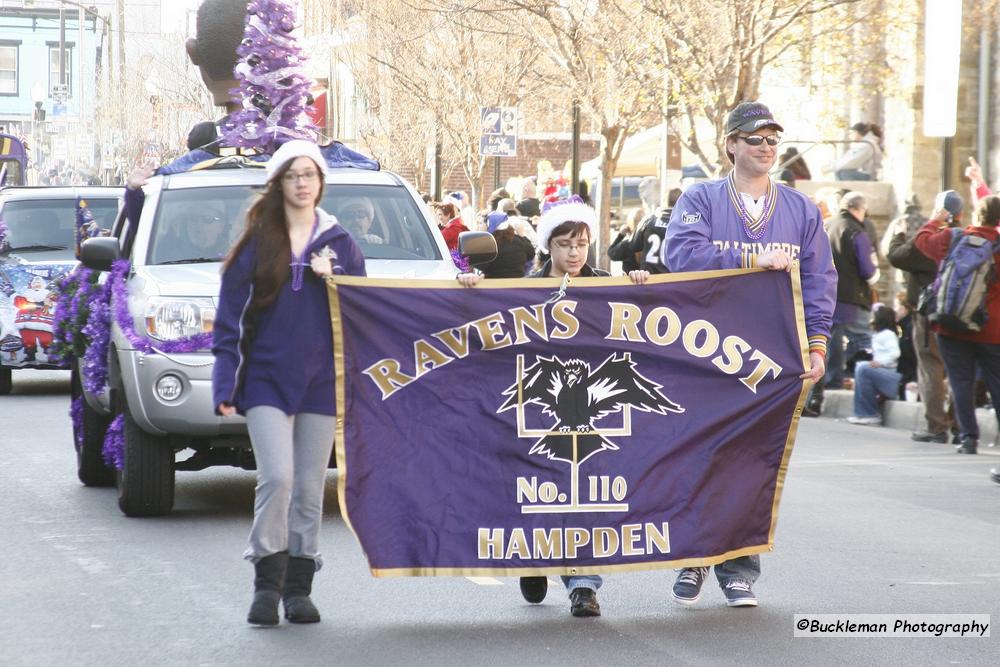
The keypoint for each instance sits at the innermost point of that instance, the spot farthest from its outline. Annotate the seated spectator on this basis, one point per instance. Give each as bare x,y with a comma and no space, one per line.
907,365
879,376
357,214
195,234
863,157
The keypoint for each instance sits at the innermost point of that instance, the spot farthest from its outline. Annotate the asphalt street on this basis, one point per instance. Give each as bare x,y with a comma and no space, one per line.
870,523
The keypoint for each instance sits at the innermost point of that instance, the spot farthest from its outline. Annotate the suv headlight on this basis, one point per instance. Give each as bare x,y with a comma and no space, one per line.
170,318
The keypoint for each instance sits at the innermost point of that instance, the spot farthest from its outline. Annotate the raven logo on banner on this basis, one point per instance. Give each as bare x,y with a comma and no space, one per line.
577,398
500,431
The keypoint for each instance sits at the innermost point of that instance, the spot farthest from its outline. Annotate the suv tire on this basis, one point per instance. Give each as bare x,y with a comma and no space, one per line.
6,381
89,441
146,480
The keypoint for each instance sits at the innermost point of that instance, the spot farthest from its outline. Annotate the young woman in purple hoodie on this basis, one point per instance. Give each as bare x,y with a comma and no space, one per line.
273,350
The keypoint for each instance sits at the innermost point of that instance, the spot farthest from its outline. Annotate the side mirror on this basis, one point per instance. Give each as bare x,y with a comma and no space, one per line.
478,247
99,252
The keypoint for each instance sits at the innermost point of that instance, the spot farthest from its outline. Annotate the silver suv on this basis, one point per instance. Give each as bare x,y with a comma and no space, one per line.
38,249
188,223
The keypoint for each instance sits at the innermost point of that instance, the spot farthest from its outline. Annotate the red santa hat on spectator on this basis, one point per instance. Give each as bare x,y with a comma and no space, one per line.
568,210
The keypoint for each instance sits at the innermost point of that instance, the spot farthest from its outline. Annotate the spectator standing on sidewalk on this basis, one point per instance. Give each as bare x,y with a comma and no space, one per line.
857,272
963,352
920,272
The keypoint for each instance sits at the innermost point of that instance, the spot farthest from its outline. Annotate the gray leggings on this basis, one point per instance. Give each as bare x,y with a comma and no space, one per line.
292,454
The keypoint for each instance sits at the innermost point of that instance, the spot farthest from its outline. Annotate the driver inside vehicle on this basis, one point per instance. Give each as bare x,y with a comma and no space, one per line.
198,234
357,214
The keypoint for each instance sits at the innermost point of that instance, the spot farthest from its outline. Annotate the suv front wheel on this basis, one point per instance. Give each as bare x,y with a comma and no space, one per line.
146,480
6,380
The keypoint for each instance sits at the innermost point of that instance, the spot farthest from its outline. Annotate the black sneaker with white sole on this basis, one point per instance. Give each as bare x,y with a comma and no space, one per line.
738,594
687,586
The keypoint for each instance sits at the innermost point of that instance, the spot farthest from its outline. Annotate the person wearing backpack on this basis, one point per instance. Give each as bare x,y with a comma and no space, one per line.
967,336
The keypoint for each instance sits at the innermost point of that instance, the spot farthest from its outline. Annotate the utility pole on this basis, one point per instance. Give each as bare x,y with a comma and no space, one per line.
574,186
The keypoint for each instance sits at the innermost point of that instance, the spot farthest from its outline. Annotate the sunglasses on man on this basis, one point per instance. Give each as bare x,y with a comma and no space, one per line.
757,140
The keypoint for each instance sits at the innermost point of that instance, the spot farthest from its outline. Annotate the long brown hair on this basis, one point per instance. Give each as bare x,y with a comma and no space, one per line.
266,222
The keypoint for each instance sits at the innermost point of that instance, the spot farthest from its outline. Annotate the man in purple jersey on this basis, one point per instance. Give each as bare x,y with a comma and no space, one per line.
746,220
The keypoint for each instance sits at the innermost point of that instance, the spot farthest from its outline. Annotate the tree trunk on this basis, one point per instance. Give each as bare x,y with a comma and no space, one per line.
612,140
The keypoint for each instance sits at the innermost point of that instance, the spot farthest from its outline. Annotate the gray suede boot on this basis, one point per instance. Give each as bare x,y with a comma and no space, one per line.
267,584
298,585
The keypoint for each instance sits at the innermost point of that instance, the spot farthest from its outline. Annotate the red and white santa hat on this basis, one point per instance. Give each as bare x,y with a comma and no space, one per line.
556,213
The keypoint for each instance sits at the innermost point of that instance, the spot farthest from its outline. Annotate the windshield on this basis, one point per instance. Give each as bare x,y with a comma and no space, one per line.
201,224
41,225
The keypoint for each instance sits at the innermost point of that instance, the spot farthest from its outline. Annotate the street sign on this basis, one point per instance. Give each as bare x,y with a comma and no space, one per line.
60,91
499,131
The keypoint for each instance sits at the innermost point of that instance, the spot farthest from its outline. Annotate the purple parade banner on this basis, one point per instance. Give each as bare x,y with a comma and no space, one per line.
513,429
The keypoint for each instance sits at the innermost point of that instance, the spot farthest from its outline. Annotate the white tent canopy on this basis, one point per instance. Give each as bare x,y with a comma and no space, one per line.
641,156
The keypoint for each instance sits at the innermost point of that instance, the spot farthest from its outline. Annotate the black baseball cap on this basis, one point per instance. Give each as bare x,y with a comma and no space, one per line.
750,117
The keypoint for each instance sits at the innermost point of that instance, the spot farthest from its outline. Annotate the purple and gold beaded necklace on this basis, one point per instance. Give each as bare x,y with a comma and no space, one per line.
754,228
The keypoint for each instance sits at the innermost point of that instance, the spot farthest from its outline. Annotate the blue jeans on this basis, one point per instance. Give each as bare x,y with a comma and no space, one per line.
852,175
869,384
744,568
591,581
961,357
859,338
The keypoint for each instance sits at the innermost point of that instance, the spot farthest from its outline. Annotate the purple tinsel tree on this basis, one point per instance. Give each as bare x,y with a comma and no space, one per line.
273,87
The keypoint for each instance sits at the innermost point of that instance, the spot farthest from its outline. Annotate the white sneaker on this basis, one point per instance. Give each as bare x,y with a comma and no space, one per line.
865,421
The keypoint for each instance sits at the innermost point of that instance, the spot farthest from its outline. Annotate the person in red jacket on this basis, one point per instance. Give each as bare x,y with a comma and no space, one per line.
962,352
451,224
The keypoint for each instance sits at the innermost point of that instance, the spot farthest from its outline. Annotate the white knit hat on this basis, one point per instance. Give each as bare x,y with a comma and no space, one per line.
556,213
291,150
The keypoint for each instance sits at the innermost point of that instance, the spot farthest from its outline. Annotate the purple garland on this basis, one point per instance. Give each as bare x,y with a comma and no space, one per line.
76,414
94,368
273,87
461,262
119,296
74,289
113,450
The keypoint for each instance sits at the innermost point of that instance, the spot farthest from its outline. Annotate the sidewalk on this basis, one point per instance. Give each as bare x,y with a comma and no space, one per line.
839,404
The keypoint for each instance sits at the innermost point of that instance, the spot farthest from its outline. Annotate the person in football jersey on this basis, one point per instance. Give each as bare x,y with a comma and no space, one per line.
648,240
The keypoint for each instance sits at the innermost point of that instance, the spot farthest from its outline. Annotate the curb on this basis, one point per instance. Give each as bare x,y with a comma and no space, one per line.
905,415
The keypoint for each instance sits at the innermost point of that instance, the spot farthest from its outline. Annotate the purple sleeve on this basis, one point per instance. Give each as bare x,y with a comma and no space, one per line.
819,277
864,250
134,200
234,299
687,243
